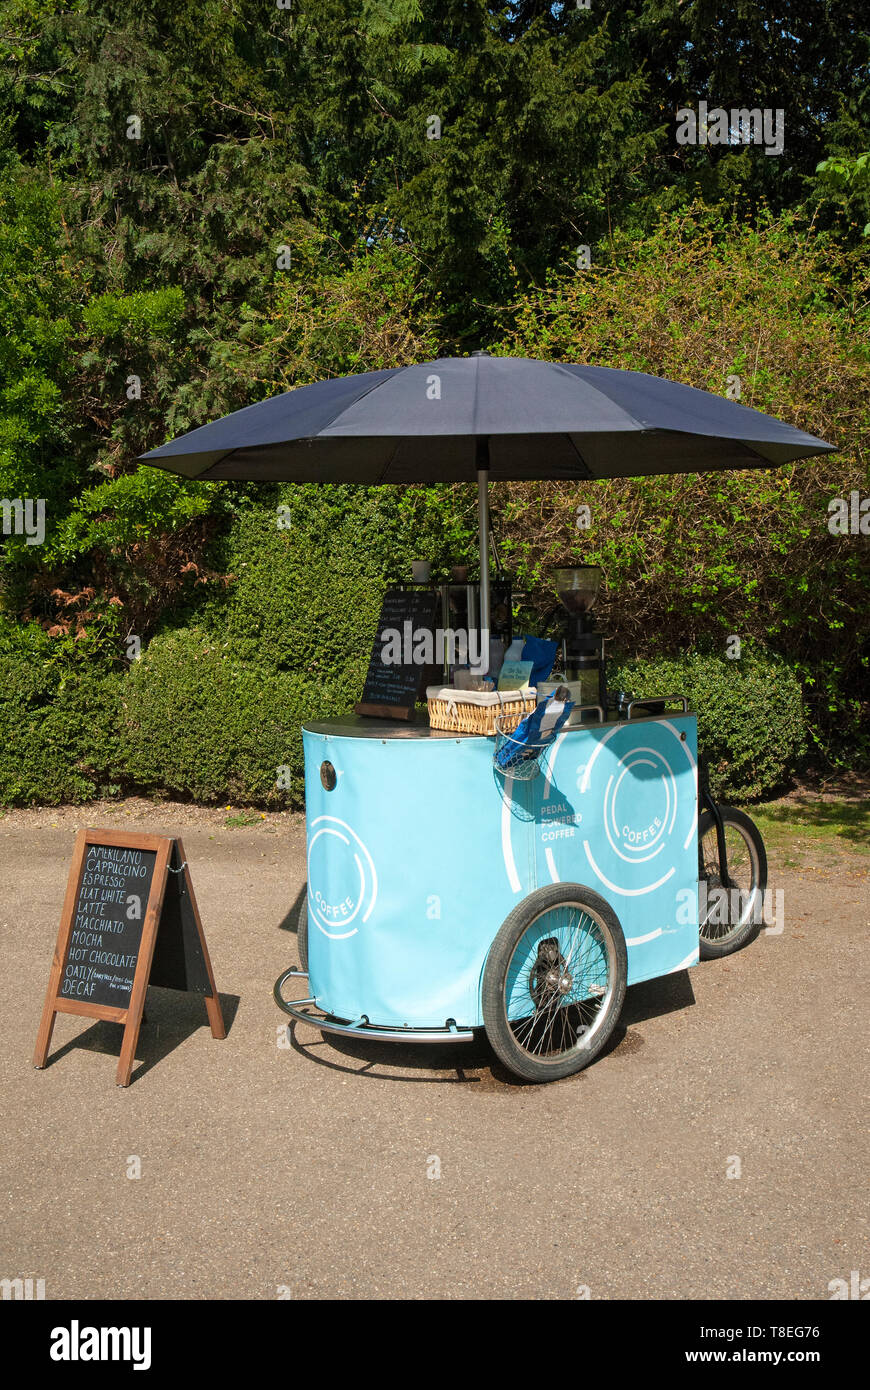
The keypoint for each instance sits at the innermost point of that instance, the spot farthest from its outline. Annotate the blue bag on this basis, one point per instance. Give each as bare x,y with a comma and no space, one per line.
541,654
535,732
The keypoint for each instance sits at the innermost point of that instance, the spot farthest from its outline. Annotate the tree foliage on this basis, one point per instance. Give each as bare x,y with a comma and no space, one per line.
204,204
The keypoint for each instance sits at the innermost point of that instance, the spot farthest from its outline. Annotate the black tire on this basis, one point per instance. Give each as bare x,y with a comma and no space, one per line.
302,931
727,925
531,1045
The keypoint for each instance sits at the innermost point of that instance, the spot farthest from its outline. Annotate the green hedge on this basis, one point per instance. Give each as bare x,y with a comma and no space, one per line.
305,595
297,600
58,721
751,722
204,716
198,722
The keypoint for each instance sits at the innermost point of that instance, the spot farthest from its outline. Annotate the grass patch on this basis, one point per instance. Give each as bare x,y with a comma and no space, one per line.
243,819
792,828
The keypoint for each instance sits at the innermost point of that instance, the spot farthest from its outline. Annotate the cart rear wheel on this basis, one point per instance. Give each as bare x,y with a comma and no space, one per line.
730,919
554,982
302,931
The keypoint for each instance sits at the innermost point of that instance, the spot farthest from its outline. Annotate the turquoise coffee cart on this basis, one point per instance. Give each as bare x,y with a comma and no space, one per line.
444,896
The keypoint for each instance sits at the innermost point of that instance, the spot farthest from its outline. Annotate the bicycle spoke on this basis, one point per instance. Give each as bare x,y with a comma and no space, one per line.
725,917
552,1022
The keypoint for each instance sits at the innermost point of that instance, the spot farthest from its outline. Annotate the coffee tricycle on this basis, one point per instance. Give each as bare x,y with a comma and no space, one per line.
448,893
510,859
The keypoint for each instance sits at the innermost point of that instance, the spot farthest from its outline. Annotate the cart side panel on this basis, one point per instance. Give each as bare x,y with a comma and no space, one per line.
405,882
421,850
617,810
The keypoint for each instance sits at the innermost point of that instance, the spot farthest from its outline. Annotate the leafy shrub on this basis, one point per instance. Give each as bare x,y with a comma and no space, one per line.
299,598
198,722
305,595
690,560
145,314
58,721
751,726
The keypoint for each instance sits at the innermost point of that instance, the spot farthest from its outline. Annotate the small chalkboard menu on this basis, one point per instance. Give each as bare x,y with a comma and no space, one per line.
129,919
395,673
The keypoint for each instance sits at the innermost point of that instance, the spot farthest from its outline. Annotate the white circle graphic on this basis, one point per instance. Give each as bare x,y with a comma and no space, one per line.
621,834
621,839
360,897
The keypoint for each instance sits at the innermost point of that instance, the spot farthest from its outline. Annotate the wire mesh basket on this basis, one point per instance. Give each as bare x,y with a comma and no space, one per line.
513,758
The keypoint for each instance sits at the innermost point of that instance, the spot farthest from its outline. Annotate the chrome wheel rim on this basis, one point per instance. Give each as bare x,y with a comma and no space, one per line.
559,982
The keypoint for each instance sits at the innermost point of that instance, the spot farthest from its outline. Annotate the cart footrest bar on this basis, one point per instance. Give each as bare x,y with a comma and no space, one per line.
299,1011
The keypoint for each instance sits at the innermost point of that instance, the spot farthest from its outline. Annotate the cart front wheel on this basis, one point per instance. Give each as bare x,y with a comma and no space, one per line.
554,982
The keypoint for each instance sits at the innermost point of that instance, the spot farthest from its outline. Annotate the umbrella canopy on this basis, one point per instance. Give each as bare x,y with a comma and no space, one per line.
461,418
446,420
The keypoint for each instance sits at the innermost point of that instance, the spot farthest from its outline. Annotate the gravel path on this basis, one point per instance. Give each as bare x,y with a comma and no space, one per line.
307,1169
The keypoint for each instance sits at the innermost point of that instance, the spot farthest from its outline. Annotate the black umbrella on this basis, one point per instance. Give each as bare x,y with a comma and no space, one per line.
463,418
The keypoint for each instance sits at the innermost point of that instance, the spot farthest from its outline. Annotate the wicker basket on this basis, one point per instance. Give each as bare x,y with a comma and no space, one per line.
476,711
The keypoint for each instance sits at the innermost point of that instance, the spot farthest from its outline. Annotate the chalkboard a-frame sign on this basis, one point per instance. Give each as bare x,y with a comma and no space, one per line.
129,919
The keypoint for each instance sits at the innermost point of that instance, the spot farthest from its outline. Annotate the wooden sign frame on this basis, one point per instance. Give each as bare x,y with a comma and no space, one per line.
385,711
131,1017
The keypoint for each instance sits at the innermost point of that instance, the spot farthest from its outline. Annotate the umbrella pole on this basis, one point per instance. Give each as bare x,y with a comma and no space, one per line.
483,541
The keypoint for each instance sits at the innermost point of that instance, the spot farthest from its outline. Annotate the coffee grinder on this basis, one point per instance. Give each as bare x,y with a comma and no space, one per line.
582,645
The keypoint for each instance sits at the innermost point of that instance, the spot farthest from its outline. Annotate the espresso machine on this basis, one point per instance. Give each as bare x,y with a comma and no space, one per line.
458,611
582,651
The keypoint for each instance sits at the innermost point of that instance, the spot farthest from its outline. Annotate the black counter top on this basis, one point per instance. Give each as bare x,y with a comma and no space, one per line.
364,726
